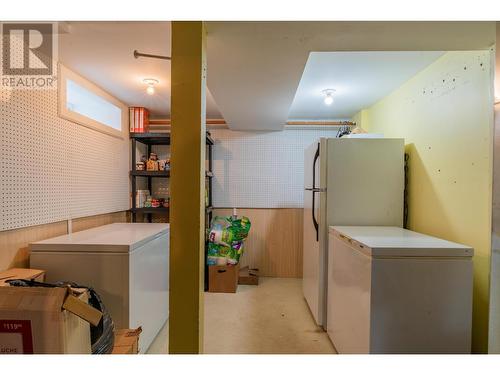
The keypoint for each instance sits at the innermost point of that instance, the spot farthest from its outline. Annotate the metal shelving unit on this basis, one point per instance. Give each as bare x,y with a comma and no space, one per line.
209,209
208,179
164,174
154,139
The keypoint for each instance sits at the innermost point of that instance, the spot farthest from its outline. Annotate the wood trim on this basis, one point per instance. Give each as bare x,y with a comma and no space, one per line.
169,122
253,208
212,122
321,123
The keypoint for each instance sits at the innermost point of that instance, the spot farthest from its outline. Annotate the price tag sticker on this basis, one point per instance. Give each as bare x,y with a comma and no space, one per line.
16,337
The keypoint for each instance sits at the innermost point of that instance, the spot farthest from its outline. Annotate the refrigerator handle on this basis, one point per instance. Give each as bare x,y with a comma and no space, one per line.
315,222
314,191
316,157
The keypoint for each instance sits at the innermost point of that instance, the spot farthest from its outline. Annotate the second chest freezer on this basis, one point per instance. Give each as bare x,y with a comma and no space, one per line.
391,290
126,263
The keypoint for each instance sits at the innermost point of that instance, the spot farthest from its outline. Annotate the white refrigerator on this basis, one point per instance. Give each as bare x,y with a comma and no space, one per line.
347,181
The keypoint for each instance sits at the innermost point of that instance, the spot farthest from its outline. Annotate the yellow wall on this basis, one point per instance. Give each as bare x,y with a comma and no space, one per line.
445,115
361,118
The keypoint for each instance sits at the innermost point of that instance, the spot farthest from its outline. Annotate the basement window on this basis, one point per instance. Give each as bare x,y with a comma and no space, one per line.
84,103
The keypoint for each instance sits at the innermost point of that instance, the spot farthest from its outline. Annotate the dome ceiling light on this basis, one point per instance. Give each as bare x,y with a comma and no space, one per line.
328,94
151,82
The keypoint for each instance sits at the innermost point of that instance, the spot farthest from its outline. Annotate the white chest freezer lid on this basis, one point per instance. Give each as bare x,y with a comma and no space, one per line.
399,242
111,238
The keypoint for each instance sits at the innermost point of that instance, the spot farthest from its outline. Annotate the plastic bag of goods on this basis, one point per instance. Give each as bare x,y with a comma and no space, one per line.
226,238
235,252
217,254
226,230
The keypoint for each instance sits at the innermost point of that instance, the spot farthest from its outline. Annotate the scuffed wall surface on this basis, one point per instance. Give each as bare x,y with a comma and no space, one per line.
445,115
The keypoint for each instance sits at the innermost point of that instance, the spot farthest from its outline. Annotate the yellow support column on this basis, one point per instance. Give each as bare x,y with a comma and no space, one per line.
187,186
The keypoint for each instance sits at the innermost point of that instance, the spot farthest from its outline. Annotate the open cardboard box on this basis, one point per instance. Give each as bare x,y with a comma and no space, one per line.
127,341
248,276
45,320
21,273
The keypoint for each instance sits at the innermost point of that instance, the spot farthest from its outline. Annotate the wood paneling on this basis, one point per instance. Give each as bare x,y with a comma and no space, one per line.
14,243
274,244
14,251
98,220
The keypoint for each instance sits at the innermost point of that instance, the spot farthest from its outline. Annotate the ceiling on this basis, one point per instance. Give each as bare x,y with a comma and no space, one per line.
103,53
359,79
255,69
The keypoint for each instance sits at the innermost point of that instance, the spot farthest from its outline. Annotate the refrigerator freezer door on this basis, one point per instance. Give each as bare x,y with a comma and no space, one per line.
364,179
365,182
312,261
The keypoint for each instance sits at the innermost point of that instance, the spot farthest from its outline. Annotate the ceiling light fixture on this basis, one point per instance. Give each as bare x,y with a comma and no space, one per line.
328,93
151,82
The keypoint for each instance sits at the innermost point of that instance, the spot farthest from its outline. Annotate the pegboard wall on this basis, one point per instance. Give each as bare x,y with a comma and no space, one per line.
261,169
53,169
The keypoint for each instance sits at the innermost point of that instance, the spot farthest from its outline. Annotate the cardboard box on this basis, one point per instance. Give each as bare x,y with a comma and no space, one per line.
21,273
127,341
248,276
34,320
223,279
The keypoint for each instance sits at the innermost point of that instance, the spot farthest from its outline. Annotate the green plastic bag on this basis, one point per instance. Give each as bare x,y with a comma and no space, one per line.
226,230
216,251
226,238
235,252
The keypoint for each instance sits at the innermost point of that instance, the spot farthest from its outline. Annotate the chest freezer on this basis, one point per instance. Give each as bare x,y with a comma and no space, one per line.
391,290
126,263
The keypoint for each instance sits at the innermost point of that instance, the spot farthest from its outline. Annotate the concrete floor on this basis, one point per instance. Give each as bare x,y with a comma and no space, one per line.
160,343
270,318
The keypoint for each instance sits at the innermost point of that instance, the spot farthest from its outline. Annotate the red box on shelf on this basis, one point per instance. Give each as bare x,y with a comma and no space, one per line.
138,119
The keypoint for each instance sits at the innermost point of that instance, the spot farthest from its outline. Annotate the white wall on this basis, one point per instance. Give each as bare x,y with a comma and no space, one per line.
261,169
52,169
